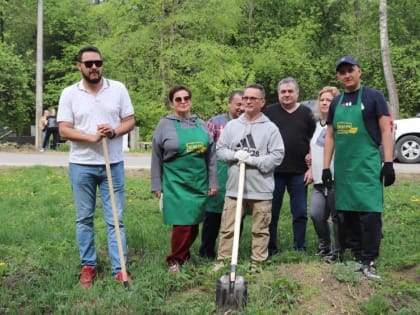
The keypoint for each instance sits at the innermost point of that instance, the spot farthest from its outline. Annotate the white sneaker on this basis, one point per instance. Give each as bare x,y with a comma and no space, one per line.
42,150
174,268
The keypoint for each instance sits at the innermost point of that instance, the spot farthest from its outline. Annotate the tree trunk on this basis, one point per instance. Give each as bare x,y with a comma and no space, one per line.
39,72
386,59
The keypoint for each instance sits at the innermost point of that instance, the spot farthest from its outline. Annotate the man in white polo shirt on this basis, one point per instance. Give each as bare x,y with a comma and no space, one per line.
88,111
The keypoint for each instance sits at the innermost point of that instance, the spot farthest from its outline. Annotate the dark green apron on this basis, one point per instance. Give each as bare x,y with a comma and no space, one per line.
185,179
357,162
215,203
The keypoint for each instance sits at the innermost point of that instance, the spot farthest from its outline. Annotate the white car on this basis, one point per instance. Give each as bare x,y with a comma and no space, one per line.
407,139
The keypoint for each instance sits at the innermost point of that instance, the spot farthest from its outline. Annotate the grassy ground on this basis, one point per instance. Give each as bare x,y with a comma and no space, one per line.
39,262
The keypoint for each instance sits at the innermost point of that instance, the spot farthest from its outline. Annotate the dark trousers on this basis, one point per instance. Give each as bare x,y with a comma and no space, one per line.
362,234
298,195
54,133
182,238
209,233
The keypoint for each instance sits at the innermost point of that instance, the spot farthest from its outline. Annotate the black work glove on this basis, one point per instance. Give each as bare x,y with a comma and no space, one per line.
327,178
387,174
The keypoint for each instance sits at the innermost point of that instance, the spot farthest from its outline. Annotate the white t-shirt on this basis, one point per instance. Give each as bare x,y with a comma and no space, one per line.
86,111
317,153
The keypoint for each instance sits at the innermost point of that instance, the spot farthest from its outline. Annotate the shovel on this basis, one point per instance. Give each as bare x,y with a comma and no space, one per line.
114,213
231,290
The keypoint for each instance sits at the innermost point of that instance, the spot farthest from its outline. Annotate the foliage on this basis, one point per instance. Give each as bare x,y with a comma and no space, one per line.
39,261
376,305
16,98
213,46
345,272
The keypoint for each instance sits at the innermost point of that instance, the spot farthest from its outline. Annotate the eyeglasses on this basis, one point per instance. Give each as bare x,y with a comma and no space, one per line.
182,99
90,63
251,98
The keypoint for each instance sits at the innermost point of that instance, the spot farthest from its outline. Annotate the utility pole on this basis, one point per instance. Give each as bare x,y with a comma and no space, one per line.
39,73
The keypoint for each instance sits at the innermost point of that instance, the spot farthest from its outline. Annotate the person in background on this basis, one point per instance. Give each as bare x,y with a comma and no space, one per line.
322,200
254,139
88,111
213,215
358,122
43,126
183,173
296,125
51,130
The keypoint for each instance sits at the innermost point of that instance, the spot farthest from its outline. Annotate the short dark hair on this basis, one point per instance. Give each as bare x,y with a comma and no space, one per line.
177,88
286,81
258,87
87,49
234,93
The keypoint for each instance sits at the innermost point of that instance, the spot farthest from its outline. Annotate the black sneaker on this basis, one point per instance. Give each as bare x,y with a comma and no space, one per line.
332,258
370,271
323,252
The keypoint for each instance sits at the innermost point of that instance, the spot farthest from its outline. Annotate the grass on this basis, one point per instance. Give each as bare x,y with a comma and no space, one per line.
39,261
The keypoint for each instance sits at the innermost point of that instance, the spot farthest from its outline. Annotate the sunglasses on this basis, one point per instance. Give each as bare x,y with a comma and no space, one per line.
182,99
90,63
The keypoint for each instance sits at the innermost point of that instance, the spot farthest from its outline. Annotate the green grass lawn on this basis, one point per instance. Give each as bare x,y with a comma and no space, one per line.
39,261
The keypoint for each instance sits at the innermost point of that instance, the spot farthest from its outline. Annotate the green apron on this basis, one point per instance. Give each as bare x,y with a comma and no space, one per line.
185,179
357,161
215,203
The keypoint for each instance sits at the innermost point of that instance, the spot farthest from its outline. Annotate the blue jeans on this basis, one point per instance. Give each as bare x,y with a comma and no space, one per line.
85,180
298,195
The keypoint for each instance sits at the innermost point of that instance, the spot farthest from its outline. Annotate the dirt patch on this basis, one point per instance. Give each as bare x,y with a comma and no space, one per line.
410,274
14,147
137,173
322,293
12,280
407,176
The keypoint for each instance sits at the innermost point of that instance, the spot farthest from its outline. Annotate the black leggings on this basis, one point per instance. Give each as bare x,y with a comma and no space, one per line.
54,132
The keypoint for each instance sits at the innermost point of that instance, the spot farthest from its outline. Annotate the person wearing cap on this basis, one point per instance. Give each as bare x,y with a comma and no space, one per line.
358,122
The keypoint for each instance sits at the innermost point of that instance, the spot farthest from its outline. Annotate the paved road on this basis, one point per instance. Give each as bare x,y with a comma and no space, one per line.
132,160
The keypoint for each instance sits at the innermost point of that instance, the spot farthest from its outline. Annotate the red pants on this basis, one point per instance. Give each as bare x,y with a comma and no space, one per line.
182,238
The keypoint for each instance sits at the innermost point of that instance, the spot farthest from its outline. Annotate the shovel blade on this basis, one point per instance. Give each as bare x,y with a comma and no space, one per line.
231,296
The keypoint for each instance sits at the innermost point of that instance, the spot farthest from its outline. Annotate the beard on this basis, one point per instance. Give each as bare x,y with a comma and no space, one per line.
92,81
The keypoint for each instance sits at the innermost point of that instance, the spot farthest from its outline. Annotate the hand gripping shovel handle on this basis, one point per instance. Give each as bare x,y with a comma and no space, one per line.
237,227
231,290
114,212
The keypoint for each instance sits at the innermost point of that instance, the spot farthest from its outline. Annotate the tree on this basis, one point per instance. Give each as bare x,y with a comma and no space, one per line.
214,46
386,58
16,98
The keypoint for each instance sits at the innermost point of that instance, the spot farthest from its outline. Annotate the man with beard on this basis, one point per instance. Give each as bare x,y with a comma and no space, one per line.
90,110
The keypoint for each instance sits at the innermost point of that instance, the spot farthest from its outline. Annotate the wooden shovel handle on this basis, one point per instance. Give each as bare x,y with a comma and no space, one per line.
238,213
114,211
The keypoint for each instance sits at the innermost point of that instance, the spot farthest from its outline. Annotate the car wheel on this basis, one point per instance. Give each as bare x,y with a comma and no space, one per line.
408,149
